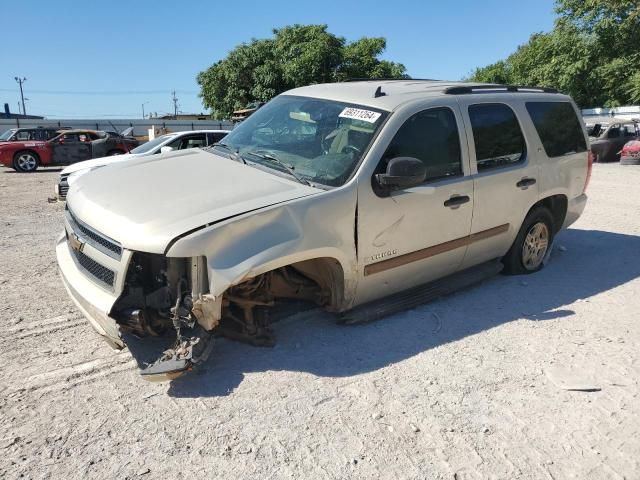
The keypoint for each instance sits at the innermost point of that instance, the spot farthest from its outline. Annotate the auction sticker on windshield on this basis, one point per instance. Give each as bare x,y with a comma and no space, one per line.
359,114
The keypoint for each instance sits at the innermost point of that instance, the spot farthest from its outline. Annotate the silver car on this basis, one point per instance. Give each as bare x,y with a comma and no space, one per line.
164,143
362,198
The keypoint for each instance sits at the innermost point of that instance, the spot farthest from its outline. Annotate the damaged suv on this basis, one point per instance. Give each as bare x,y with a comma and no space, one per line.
363,198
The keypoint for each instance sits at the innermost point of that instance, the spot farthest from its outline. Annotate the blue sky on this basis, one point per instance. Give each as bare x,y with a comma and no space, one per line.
89,59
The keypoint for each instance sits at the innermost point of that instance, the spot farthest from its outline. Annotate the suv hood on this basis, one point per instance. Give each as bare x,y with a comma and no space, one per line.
147,202
96,162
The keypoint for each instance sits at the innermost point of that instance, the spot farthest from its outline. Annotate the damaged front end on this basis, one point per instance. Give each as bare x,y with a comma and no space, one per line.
171,296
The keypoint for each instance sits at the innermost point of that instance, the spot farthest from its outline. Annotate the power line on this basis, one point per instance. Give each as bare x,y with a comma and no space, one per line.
105,92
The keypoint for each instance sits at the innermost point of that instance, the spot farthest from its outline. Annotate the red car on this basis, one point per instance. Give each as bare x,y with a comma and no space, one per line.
69,147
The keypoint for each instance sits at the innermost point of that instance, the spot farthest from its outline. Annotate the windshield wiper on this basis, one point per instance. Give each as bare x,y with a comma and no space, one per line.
234,154
288,168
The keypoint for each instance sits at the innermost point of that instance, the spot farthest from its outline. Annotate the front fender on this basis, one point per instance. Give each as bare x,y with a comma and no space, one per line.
319,226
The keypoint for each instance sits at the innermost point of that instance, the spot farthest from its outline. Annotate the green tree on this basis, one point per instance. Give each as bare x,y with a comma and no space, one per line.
592,53
360,60
297,55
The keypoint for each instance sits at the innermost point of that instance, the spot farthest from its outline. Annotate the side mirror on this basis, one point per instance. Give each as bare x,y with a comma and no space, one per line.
402,172
166,149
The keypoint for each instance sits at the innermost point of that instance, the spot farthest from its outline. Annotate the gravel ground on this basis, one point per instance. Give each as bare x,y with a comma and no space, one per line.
532,377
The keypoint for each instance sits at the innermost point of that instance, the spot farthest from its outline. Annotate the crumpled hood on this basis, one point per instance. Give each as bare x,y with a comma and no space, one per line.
96,162
146,202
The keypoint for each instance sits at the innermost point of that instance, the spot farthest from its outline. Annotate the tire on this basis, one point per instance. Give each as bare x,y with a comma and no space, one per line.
26,161
531,246
113,153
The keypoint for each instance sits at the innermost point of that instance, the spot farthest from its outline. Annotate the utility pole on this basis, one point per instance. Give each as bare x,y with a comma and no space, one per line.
143,109
175,104
20,82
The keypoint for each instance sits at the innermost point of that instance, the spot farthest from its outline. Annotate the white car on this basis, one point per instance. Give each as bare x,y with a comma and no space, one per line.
363,198
161,144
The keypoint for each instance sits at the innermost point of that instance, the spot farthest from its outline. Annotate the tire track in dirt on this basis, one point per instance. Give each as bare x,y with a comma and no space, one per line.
42,327
65,378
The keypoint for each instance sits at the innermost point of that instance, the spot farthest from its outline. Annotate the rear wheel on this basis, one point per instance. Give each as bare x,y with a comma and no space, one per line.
531,246
26,161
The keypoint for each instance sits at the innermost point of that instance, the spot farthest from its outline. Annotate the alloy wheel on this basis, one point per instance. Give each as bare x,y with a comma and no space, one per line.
535,245
26,162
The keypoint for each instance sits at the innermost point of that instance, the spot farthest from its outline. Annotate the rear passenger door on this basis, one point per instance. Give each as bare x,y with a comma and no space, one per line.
505,176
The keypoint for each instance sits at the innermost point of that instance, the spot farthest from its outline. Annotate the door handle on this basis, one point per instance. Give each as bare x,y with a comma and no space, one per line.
456,201
526,182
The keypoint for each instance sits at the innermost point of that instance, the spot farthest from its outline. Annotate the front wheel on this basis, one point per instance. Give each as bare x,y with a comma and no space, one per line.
531,246
26,162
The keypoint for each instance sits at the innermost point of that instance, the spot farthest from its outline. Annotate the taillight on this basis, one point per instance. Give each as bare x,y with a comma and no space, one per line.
589,169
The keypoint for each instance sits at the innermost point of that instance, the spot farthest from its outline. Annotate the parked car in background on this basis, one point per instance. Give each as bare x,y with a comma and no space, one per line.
607,141
27,134
164,143
244,113
336,194
68,147
630,154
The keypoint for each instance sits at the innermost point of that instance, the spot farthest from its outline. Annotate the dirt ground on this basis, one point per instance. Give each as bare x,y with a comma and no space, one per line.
532,377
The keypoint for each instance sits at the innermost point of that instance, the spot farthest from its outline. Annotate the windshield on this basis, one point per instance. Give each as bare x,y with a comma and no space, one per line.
151,144
314,140
7,135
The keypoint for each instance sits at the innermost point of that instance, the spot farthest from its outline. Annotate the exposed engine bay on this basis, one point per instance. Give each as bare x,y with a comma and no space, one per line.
170,296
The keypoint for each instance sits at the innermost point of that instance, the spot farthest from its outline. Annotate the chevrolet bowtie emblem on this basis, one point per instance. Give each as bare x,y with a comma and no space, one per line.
75,243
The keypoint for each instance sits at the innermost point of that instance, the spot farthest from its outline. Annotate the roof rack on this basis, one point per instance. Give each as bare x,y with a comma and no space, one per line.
382,79
465,89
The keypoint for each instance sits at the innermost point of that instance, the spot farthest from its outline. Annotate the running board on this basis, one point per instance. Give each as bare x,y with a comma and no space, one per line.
422,294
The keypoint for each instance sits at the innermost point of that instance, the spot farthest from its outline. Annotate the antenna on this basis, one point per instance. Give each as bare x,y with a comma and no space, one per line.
379,93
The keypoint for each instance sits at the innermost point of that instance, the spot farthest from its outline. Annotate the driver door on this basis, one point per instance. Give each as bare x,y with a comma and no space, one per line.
69,149
419,234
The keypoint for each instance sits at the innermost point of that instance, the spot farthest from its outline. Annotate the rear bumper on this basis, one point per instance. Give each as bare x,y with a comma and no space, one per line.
93,301
574,209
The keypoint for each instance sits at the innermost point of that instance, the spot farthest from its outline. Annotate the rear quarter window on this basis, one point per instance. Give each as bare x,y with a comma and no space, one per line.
558,127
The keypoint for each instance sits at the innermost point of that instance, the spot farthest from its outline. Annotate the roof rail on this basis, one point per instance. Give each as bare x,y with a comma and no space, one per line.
382,79
465,89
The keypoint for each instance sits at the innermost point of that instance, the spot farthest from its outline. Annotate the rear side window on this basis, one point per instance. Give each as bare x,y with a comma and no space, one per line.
432,137
558,127
215,137
497,136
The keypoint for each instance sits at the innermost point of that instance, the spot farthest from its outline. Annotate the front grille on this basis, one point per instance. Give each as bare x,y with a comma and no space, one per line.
102,243
93,268
63,188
